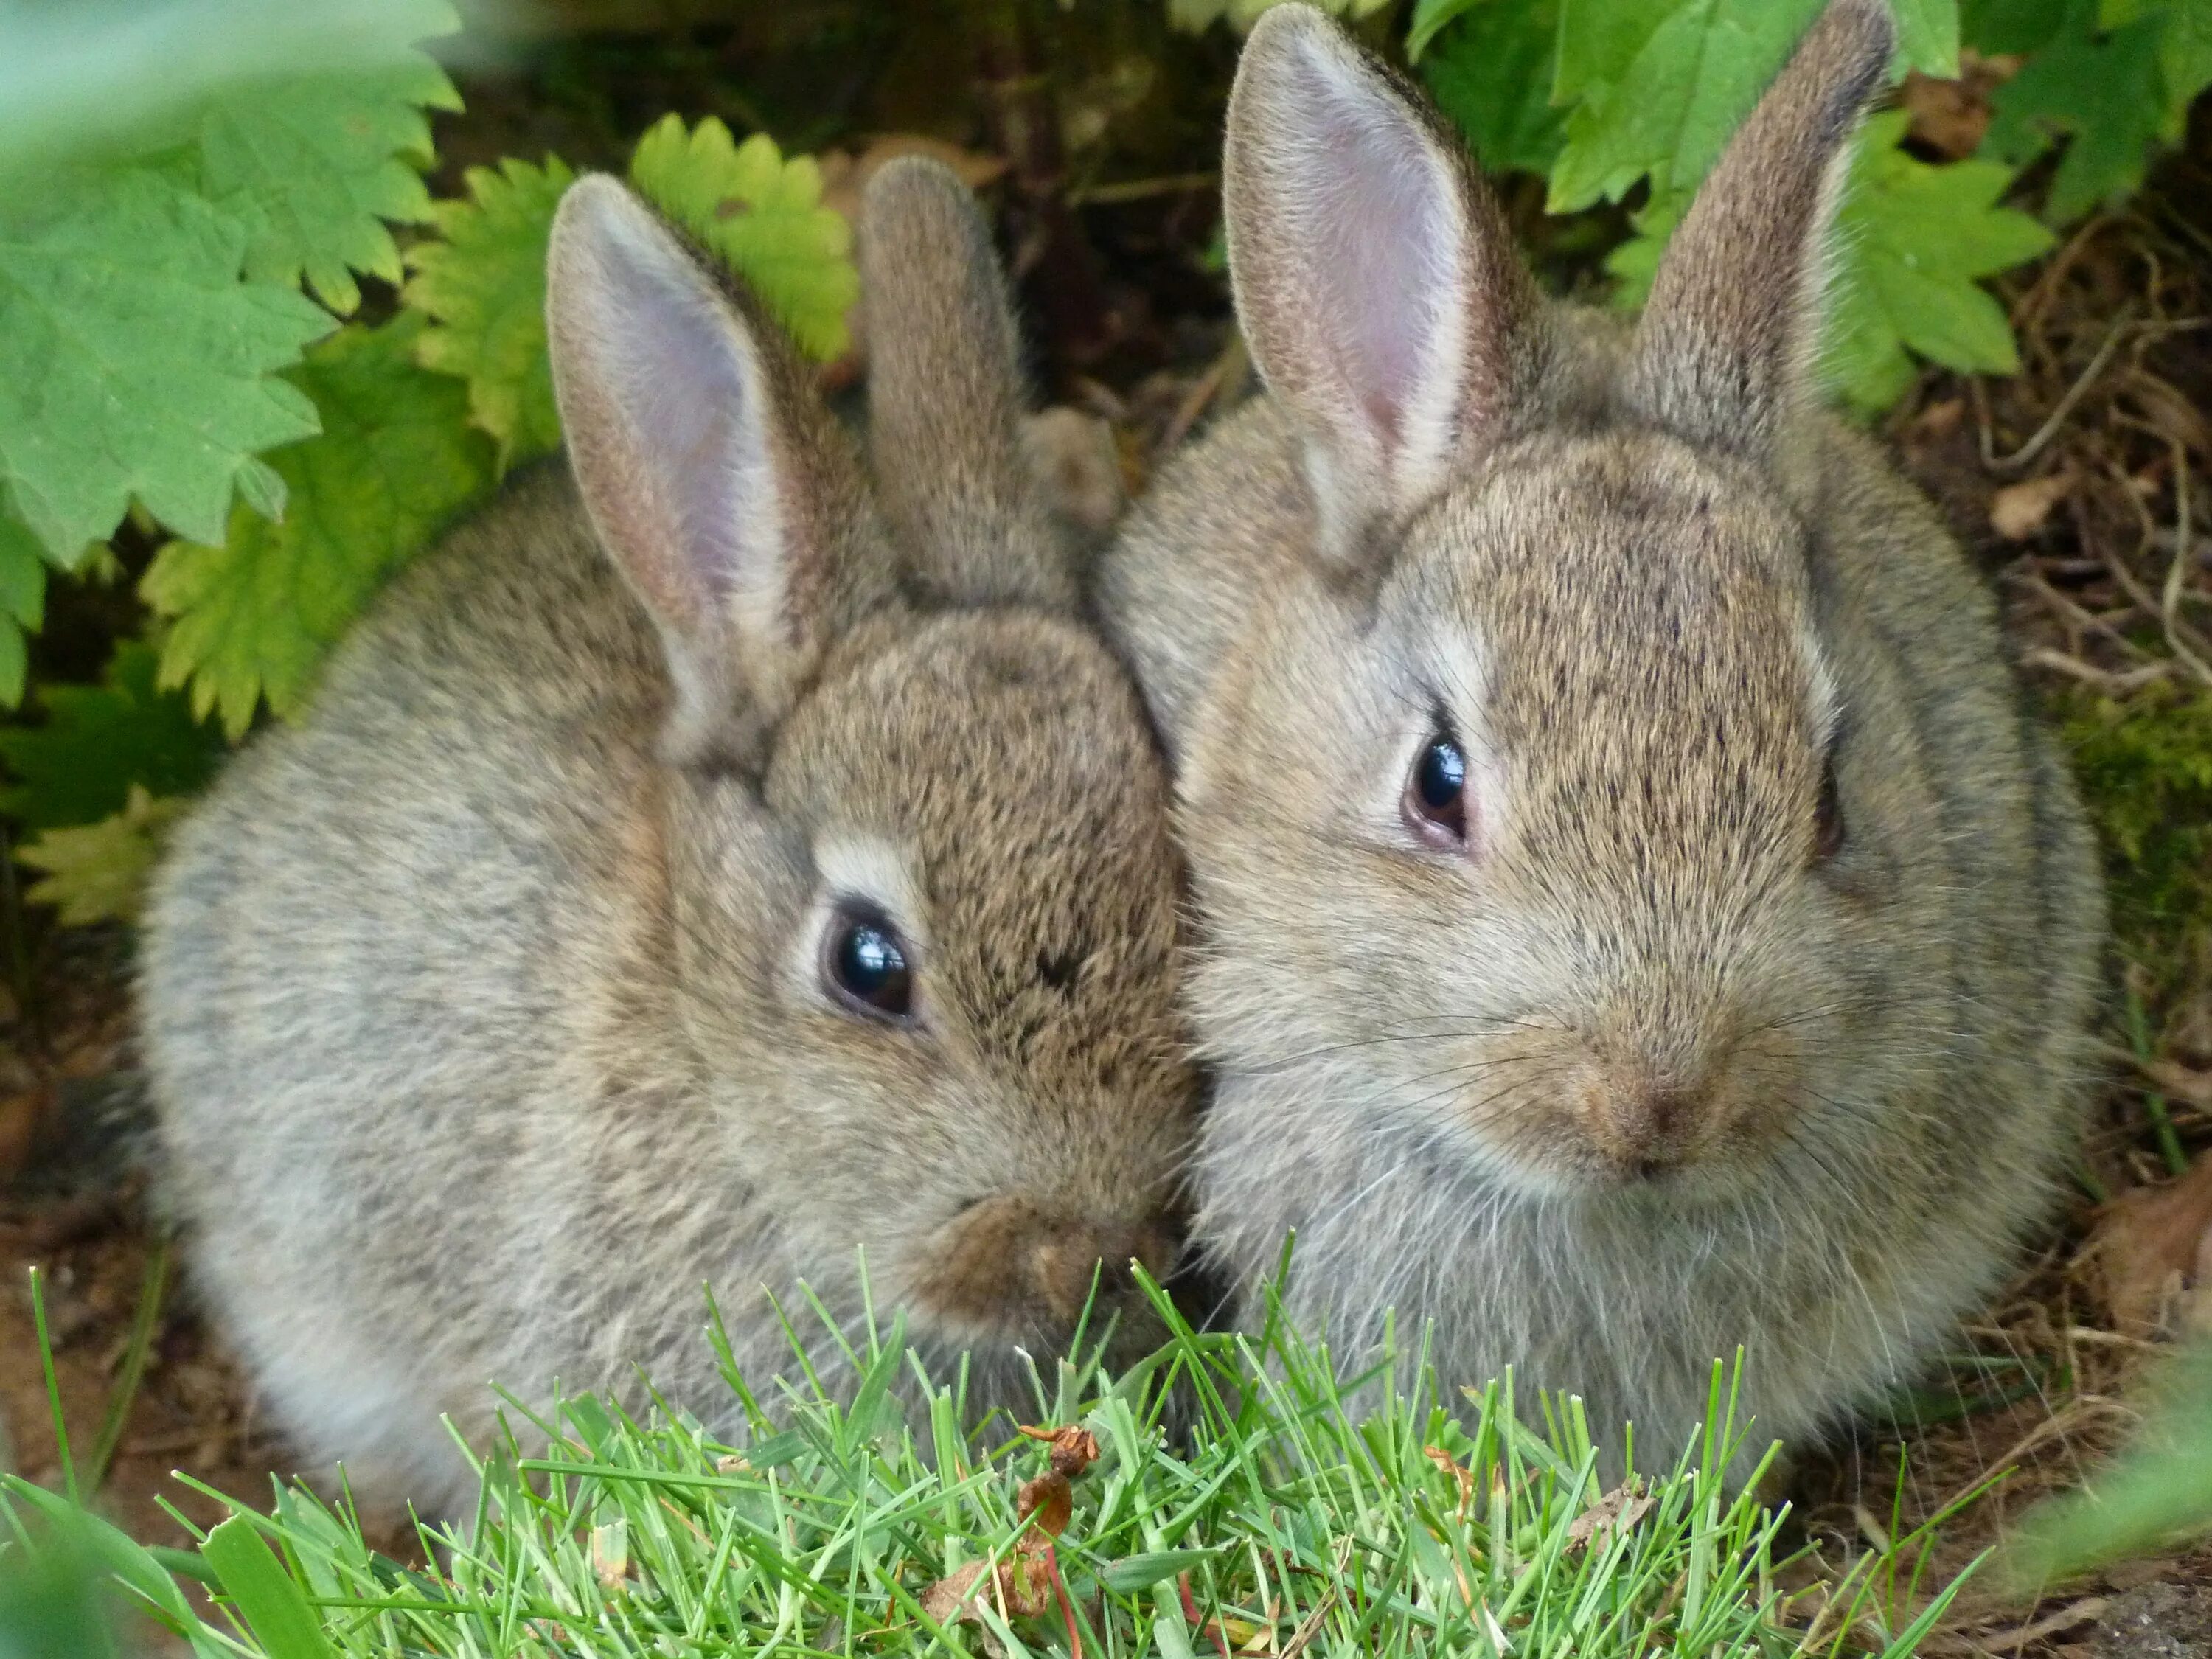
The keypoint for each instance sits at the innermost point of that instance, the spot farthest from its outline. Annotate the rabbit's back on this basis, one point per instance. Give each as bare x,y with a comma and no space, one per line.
388,1101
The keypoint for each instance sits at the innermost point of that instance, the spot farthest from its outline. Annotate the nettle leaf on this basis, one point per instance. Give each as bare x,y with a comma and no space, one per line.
23,601
2108,92
312,166
1914,238
398,458
1490,69
1911,240
97,740
764,214
1662,87
97,873
134,363
482,285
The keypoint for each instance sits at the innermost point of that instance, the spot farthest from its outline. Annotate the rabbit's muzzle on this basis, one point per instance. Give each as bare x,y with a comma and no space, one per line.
1007,1260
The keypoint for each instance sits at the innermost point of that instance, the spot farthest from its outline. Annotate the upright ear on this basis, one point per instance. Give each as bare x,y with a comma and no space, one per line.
709,469
1374,279
1724,352
945,397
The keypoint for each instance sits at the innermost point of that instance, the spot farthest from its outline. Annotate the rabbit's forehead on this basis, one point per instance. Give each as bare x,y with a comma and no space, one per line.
1012,769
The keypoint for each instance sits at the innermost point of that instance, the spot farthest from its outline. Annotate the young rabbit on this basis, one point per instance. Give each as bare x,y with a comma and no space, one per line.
792,876
1641,918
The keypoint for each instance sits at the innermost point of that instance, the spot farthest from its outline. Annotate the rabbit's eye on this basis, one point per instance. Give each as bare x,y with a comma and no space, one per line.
865,962
1828,814
1436,795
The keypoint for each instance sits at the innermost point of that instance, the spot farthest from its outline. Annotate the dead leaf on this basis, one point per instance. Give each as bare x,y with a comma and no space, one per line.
2018,510
1443,1460
1045,1503
1074,1449
1949,117
1020,1589
2152,1251
1612,1514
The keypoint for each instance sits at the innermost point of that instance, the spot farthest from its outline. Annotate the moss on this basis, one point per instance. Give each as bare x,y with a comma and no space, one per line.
2146,770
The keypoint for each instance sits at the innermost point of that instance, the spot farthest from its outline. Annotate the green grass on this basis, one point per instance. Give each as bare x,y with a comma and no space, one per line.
1289,1515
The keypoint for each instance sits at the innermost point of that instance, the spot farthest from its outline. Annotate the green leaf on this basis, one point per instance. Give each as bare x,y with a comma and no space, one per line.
2012,26
1135,1573
1490,71
133,362
97,873
764,214
23,601
98,740
2108,93
1662,89
1914,238
273,1604
482,285
396,459
1928,36
1429,19
1911,240
311,165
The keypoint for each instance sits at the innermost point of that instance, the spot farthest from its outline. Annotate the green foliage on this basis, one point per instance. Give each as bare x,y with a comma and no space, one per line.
99,740
2156,1496
312,167
134,363
764,215
254,613
1609,98
22,600
1492,73
482,285
2146,770
97,873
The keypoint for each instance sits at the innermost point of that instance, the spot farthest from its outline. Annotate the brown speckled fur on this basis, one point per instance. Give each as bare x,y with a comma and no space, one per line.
1639,1080
483,1035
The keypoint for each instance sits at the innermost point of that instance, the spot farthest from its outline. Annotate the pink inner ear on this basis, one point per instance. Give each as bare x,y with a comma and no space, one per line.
1382,241
681,390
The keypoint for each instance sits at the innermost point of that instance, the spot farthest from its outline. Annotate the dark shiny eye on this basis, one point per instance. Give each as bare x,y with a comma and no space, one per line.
1436,794
1828,814
866,963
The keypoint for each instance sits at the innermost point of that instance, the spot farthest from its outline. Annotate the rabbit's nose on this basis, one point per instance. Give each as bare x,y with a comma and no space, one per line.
1646,1125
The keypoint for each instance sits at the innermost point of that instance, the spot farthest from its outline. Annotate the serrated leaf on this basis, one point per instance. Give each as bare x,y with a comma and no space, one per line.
1490,71
77,765
482,285
1666,106
97,873
764,215
1911,240
2107,95
396,459
133,362
312,166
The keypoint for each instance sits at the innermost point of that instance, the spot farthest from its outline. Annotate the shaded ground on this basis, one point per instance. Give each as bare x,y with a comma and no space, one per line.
2083,486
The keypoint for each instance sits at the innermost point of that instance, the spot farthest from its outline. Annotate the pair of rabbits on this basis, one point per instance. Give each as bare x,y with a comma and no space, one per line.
1632,915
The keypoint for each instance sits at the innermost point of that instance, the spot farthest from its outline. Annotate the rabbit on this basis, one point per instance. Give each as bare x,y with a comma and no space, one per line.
709,861
1639,918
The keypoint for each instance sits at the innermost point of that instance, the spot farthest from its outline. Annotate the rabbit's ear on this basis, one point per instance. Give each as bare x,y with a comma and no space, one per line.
1374,279
945,397
707,468
1725,349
